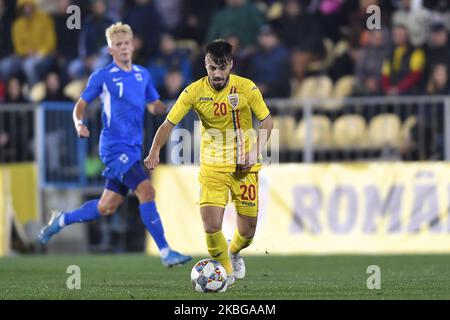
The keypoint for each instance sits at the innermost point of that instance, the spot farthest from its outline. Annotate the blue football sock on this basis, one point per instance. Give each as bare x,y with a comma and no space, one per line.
153,223
87,212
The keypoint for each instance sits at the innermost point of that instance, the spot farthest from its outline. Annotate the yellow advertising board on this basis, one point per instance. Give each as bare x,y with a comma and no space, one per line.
377,208
18,199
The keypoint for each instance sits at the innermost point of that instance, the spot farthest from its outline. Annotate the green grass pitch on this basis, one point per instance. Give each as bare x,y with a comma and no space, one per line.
268,277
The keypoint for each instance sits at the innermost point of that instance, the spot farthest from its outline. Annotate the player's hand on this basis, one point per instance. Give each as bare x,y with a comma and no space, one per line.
250,160
82,131
160,109
157,108
152,160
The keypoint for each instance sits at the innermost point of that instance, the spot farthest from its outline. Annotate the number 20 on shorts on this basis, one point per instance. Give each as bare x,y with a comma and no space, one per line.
248,192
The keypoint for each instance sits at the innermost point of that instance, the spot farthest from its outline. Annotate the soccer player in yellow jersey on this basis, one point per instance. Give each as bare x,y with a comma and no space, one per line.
229,152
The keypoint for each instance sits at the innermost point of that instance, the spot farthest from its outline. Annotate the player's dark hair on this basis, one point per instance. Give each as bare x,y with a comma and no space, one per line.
219,51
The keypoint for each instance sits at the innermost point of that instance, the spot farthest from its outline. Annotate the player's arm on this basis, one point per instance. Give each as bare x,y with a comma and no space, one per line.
265,129
157,107
161,137
259,108
92,91
78,116
264,132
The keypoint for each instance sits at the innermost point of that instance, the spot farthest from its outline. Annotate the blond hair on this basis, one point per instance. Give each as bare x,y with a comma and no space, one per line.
116,28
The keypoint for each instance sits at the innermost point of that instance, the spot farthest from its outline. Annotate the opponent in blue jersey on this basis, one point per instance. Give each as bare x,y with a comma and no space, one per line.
126,90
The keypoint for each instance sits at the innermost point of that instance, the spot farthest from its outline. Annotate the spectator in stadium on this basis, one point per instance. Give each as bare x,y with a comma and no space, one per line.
196,17
241,55
14,92
116,9
369,62
438,50
6,48
239,17
170,12
146,23
169,57
437,5
140,54
333,16
121,142
92,51
306,42
403,70
173,84
18,126
358,33
6,20
53,89
269,66
415,18
438,83
34,40
429,126
66,39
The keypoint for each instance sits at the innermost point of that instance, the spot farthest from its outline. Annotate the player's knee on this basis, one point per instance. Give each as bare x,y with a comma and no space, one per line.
248,234
209,228
146,193
106,208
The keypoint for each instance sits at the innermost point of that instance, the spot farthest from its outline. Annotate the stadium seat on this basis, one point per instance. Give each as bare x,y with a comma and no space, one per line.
385,130
37,92
342,89
74,89
340,48
350,131
409,123
314,87
321,133
285,125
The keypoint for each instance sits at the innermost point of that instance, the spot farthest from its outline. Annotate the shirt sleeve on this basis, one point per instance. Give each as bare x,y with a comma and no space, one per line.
93,87
181,107
257,104
151,94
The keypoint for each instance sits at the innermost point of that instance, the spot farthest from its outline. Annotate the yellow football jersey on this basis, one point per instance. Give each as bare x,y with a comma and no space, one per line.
226,117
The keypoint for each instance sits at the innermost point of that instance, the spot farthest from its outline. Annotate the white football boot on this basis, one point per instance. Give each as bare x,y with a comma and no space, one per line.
238,265
231,279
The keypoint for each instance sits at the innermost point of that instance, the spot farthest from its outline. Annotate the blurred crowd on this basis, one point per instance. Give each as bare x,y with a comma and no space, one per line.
276,43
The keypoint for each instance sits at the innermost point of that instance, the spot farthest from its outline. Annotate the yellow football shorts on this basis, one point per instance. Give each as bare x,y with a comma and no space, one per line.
216,187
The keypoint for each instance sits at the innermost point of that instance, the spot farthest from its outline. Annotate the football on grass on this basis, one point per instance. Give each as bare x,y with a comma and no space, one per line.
208,275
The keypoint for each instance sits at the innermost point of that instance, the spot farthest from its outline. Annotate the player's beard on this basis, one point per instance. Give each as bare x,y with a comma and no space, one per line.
220,87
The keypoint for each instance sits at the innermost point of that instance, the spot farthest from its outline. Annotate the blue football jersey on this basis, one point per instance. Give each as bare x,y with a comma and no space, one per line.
124,96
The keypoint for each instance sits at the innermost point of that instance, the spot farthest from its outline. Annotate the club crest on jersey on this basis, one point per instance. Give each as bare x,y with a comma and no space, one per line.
138,76
233,100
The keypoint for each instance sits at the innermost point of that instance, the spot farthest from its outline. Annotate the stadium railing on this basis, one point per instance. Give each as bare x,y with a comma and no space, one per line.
17,131
406,128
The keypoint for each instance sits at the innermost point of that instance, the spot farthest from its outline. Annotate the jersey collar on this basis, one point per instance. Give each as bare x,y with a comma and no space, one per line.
123,70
